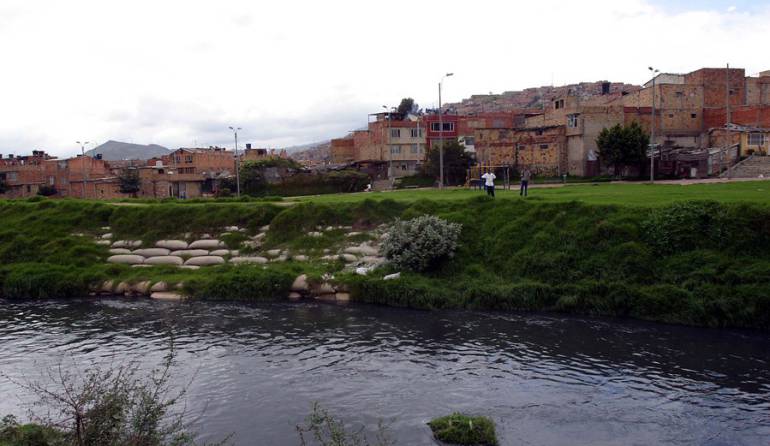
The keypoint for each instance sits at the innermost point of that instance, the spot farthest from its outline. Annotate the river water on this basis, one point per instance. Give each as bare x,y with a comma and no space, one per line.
544,379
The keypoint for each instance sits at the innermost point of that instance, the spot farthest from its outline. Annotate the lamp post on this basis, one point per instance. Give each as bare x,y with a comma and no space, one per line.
441,133
237,163
652,127
83,161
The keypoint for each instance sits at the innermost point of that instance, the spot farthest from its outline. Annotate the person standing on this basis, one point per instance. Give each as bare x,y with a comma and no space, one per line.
526,175
489,179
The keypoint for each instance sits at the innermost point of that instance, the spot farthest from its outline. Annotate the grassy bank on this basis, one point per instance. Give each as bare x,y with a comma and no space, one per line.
693,262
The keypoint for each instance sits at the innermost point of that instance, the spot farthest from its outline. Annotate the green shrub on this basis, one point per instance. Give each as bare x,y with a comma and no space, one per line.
686,226
243,282
420,243
14,434
42,281
464,430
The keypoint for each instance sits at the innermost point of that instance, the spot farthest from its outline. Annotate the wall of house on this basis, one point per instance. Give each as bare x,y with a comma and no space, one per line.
342,150
714,82
201,160
543,150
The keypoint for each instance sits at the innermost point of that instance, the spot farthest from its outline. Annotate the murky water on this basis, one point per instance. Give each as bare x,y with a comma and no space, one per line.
545,380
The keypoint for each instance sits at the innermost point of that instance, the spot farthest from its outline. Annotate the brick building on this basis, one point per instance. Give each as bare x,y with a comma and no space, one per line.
343,150
542,149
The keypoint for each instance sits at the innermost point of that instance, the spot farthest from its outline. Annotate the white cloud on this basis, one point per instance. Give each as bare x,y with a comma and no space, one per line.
179,72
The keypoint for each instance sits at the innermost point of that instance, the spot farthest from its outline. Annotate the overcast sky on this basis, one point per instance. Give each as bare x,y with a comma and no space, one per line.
178,73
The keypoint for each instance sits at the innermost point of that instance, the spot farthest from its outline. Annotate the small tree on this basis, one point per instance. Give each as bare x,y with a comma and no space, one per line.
621,146
110,405
130,183
406,106
456,162
253,181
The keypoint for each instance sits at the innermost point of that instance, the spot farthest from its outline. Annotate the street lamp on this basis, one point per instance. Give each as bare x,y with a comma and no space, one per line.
237,163
83,165
441,133
652,127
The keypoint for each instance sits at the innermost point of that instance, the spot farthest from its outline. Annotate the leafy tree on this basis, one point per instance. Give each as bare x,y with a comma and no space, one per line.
406,106
456,162
253,181
621,146
130,183
46,190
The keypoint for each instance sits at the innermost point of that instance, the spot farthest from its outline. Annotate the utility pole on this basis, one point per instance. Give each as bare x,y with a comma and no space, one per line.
83,165
237,163
389,110
652,127
441,134
728,119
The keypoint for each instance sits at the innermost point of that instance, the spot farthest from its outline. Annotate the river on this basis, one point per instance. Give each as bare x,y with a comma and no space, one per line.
544,379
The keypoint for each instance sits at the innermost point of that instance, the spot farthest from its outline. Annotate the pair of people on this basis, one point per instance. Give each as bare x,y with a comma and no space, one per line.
489,182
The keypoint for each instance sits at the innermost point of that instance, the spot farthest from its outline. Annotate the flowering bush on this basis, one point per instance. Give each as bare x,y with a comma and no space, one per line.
420,243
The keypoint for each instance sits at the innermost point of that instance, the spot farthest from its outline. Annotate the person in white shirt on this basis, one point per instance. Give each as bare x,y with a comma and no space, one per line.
489,181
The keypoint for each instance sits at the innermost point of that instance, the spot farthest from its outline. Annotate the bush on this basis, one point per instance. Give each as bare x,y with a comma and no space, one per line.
324,429
420,243
686,226
462,429
14,434
105,405
243,282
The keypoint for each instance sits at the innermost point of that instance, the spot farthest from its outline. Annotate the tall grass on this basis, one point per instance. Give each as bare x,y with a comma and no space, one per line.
694,262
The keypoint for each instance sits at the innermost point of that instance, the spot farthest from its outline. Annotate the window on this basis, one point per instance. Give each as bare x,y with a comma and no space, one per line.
543,146
679,94
470,141
395,133
188,158
539,132
52,180
183,170
395,150
177,159
448,126
572,120
416,133
558,104
756,139
415,148
12,176
693,115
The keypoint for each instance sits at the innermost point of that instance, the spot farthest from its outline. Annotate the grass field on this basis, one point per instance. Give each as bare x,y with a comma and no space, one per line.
696,254
601,193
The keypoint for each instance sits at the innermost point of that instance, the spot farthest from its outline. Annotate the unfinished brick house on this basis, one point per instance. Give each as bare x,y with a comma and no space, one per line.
79,177
542,149
388,140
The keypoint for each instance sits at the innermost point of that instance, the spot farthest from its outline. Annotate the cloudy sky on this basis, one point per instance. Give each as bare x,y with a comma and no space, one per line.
178,73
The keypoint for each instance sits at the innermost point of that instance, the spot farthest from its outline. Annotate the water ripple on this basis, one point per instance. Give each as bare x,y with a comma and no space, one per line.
546,380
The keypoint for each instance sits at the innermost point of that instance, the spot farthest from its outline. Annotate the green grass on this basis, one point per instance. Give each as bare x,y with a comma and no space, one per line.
464,430
600,193
639,251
